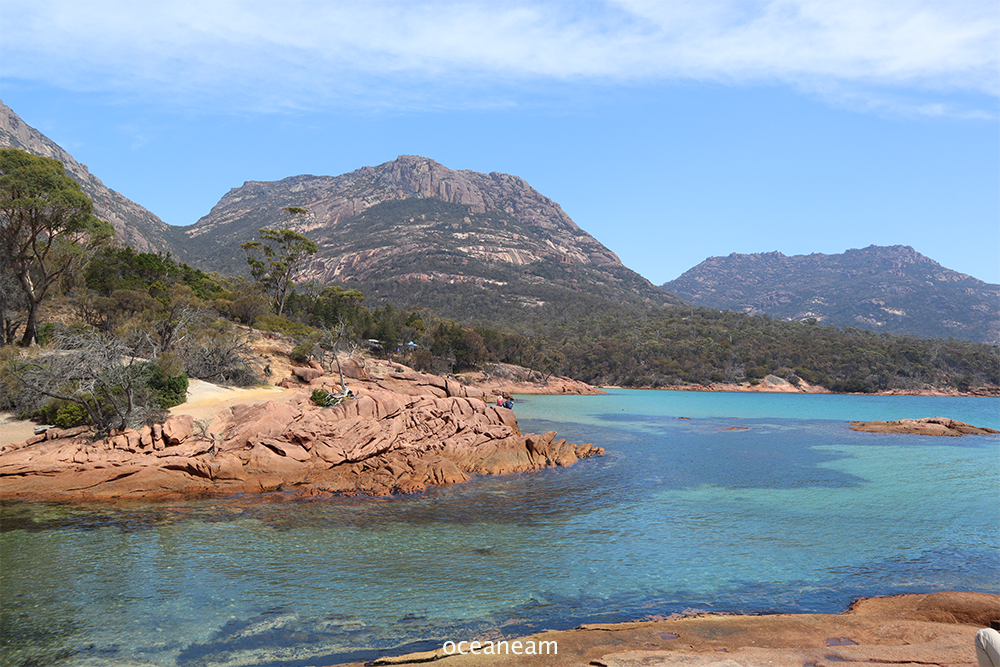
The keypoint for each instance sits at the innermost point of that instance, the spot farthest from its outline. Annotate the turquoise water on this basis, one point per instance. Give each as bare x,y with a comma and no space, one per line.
794,513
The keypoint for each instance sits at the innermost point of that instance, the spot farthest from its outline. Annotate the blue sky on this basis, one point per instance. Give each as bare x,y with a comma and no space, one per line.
670,131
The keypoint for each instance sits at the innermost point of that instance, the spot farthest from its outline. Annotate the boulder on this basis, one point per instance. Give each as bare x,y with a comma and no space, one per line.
177,429
307,374
354,369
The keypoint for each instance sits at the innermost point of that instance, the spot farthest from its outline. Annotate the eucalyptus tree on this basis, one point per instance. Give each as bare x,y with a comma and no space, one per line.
276,257
47,227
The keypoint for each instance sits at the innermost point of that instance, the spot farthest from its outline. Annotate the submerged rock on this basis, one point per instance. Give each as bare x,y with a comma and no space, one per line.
925,426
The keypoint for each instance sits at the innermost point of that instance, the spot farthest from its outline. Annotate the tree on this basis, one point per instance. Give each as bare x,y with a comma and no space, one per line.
98,373
47,227
276,257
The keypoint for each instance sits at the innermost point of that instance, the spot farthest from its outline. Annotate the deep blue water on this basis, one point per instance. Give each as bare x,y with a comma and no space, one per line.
792,512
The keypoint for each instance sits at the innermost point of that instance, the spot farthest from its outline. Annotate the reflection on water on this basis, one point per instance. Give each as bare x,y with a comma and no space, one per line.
789,515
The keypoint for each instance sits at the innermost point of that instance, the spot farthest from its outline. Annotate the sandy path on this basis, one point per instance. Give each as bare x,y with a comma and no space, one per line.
13,429
204,399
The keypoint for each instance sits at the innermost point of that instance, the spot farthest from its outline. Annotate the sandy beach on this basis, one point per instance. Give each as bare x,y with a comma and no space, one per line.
204,401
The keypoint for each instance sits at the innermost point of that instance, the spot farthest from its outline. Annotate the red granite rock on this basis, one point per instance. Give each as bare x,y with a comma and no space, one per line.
400,435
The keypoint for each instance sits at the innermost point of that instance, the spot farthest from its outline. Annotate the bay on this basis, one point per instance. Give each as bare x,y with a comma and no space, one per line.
704,501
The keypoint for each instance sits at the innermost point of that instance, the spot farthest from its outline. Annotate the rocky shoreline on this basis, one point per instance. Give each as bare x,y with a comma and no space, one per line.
917,629
402,433
775,384
510,379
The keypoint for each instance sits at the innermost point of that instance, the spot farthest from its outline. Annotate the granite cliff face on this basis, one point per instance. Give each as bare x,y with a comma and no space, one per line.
893,289
134,225
414,222
334,200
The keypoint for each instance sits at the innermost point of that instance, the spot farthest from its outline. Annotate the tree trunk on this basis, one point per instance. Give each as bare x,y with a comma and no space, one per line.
343,385
31,325
31,302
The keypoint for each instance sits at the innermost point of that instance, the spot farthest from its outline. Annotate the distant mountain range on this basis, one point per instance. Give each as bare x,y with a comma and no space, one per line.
489,246
894,289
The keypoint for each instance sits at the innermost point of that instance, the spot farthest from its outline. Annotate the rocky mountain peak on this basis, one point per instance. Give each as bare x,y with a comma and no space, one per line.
413,221
332,200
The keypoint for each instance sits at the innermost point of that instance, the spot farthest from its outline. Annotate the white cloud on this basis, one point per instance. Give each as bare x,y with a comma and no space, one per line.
390,53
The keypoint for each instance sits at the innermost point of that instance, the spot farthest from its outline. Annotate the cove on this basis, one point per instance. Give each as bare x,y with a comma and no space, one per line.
792,513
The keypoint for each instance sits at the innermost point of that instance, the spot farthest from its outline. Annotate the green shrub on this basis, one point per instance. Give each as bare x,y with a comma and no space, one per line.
62,414
45,333
303,352
324,399
47,413
167,390
71,415
284,325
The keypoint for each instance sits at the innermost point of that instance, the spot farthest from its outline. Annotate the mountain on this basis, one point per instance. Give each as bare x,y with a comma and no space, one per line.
134,225
419,233
409,230
893,289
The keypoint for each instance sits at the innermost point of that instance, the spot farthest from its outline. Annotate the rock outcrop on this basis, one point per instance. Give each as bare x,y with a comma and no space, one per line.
925,426
506,379
922,629
769,384
403,433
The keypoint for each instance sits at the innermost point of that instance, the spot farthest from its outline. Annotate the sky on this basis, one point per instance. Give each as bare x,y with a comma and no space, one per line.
670,131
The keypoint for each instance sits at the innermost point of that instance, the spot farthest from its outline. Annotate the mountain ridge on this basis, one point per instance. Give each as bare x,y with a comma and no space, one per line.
415,232
878,288
402,227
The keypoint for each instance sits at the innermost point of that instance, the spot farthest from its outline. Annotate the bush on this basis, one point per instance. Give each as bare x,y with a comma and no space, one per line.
325,399
245,309
284,325
302,352
46,333
61,413
421,360
168,390
96,373
11,385
71,415
223,358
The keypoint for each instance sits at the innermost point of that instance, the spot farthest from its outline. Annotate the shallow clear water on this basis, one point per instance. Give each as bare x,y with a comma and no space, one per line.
795,513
